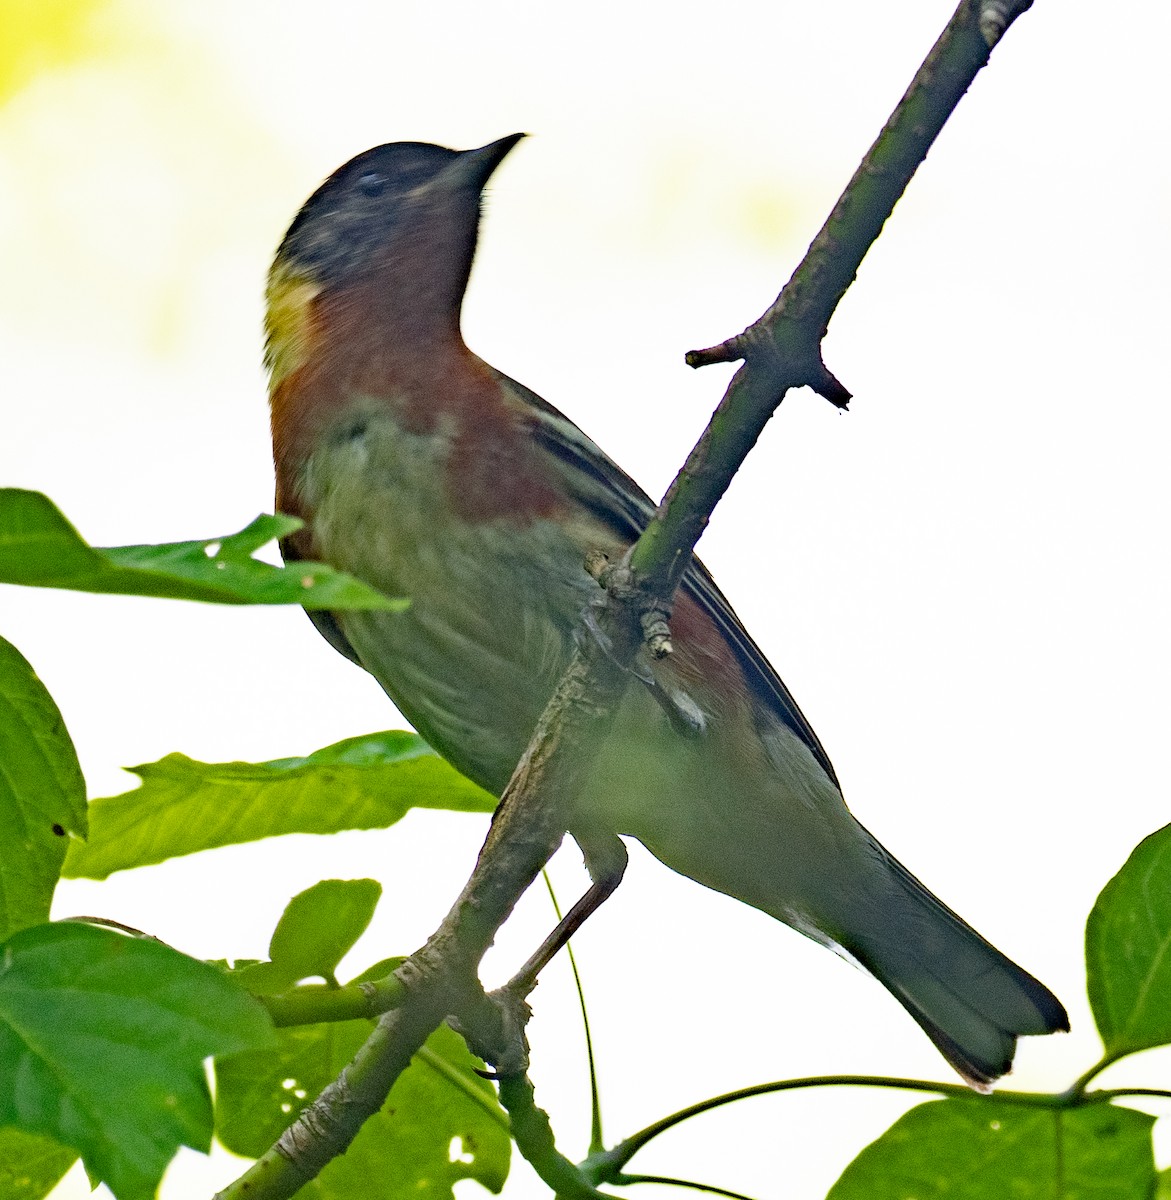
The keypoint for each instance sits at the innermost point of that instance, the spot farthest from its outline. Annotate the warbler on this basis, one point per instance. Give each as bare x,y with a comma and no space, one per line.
424,471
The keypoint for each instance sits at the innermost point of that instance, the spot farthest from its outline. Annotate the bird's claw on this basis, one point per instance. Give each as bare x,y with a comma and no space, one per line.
493,1025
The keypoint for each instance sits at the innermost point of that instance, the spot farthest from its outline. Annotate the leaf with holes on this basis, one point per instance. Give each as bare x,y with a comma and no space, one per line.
102,1042
989,1149
440,1124
42,794
40,548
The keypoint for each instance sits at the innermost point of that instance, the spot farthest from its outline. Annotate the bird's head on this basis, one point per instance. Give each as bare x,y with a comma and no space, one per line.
395,229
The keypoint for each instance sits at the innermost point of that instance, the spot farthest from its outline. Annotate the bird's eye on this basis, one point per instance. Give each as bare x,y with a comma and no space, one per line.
372,183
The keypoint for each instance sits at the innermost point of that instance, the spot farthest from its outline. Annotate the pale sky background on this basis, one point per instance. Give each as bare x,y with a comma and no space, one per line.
963,580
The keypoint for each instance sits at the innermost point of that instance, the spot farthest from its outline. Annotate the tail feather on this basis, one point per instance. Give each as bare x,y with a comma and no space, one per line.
971,1000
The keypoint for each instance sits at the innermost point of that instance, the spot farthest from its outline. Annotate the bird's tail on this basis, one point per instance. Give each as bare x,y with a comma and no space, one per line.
971,1000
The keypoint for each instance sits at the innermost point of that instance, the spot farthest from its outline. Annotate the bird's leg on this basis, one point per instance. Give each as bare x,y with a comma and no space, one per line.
685,715
605,859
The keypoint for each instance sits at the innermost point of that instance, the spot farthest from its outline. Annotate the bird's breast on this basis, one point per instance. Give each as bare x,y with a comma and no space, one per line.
494,591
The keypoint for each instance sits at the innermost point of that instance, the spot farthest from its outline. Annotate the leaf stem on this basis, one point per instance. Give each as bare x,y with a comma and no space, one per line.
312,1004
1077,1089
682,1183
607,1166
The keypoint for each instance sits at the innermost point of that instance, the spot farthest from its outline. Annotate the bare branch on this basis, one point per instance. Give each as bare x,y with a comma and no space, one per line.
782,349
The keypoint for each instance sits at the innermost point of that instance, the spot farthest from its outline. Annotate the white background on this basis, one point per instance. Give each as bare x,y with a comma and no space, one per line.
963,580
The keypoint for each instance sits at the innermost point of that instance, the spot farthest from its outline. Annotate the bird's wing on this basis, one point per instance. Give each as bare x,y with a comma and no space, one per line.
610,495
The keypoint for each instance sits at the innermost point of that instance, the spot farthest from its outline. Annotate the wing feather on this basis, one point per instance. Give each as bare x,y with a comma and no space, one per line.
609,494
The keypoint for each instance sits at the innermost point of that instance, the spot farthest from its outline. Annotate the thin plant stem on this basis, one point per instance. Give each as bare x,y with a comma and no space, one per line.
597,1142
681,1183
1079,1085
606,1165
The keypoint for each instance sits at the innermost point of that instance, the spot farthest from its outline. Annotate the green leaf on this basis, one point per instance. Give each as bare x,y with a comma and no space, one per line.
317,929
102,1041
985,1148
1128,936
404,1150
183,806
1163,1187
39,548
42,794
321,924
30,1166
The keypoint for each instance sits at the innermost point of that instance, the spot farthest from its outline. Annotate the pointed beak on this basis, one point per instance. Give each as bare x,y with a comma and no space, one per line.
473,168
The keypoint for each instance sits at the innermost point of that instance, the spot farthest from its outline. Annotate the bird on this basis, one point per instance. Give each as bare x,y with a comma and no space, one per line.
423,471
